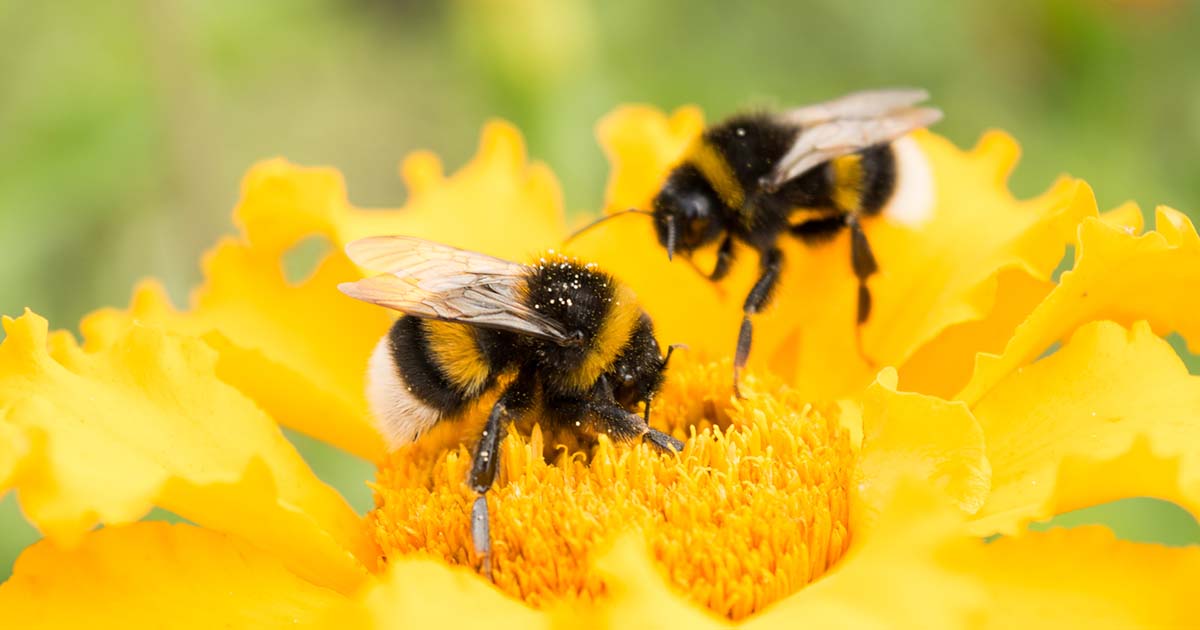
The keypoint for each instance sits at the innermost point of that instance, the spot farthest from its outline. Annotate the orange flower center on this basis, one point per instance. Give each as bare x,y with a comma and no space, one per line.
753,509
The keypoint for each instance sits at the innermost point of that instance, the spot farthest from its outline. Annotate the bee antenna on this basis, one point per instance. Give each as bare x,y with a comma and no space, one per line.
670,236
602,219
671,350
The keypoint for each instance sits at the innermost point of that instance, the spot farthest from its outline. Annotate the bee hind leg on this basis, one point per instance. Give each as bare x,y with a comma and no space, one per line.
863,262
760,294
485,462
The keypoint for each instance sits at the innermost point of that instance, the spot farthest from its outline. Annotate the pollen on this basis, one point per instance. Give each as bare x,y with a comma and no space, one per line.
753,509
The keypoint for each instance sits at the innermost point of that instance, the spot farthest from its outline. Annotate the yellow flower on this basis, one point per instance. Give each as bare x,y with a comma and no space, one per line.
835,495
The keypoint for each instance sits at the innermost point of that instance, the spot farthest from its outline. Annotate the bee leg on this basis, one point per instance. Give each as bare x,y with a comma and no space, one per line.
486,459
622,425
664,442
721,268
863,262
724,259
771,263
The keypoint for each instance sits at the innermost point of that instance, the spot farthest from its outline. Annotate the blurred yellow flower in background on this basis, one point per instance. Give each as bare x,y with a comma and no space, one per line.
880,483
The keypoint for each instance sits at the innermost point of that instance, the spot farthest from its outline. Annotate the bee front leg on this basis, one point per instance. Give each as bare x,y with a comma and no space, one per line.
862,260
622,425
723,264
724,259
485,462
771,264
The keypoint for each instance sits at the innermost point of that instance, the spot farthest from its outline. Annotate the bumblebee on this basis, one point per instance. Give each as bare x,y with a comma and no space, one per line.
808,172
573,340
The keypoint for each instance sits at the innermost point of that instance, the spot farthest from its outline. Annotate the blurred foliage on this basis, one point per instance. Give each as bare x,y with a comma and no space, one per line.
126,126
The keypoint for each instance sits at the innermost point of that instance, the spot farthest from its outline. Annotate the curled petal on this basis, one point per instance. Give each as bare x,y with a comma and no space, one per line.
943,366
1064,432
146,421
157,575
1117,276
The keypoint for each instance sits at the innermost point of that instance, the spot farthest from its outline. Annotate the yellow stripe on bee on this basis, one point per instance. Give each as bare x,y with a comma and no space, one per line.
455,351
711,163
847,182
801,215
614,333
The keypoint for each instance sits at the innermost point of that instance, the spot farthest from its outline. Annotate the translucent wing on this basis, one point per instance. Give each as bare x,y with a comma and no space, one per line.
848,124
434,281
408,256
865,104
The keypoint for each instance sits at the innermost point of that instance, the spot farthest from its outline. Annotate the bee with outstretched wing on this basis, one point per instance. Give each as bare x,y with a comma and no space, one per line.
573,338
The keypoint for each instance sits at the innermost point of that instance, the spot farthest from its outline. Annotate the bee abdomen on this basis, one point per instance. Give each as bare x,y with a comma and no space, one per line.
455,351
879,178
421,372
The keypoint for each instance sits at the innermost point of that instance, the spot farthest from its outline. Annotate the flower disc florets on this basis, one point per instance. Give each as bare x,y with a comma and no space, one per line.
754,508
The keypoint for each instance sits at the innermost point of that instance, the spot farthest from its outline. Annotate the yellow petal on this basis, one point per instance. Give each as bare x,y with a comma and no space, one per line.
637,595
1127,216
944,365
1117,276
498,203
896,579
914,436
1082,578
941,274
1061,432
642,144
418,592
16,447
299,351
146,422
151,575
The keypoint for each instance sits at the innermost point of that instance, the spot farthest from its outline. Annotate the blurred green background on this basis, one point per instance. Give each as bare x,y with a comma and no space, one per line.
125,127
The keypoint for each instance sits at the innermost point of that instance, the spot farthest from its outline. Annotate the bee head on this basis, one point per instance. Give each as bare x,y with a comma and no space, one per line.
685,219
637,374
